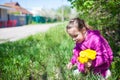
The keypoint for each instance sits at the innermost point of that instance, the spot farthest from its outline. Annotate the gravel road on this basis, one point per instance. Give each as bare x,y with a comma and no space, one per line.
16,33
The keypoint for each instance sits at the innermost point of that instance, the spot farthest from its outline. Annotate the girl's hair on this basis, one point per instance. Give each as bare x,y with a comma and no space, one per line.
79,23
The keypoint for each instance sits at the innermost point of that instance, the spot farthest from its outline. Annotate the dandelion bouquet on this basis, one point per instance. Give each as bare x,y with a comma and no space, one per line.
86,55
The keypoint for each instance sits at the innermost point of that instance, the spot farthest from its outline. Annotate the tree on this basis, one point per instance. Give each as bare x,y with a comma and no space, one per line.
101,10
66,11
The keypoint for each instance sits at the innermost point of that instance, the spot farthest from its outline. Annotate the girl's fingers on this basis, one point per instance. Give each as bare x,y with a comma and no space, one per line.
88,64
69,65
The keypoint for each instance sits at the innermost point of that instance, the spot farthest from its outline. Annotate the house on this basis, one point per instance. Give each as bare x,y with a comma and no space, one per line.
4,15
18,8
19,16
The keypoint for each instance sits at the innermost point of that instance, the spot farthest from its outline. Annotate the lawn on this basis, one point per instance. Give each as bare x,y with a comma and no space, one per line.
43,57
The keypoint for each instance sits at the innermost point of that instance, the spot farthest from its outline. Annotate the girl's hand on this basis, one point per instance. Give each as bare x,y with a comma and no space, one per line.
88,64
69,65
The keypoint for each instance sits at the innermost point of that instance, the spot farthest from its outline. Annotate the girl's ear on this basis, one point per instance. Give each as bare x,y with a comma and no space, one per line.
84,30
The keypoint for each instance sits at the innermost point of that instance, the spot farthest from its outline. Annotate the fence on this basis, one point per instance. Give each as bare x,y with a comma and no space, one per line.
16,20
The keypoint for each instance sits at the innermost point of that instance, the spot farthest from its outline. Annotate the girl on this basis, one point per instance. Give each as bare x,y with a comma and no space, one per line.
86,38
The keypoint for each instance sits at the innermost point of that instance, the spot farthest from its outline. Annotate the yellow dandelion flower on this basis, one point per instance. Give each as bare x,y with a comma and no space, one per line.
82,54
83,59
87,54
91,54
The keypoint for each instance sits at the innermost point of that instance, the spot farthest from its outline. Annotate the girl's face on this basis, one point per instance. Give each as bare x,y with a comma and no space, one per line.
77,36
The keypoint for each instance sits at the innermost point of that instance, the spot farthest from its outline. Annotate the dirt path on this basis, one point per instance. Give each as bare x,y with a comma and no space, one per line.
16,33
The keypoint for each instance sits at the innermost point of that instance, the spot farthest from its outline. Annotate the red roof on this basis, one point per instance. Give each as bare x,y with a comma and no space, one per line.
17,8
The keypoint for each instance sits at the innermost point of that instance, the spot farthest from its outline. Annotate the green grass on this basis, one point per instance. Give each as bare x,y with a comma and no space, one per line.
42,57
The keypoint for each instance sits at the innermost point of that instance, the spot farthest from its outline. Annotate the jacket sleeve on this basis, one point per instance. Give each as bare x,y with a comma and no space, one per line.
104,52
75,55
74,60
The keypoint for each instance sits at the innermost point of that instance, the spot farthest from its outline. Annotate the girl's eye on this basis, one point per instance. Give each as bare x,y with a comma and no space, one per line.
75,35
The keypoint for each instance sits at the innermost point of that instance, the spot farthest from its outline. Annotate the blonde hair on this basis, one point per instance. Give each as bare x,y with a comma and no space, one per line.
79,23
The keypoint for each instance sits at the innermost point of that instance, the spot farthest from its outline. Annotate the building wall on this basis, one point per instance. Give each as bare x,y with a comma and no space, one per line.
20,20
12,20
3,15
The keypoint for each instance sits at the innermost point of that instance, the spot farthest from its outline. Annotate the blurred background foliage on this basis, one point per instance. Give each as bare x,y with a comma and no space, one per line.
103,15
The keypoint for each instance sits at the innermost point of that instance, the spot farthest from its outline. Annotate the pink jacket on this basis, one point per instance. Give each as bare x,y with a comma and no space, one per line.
98,43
